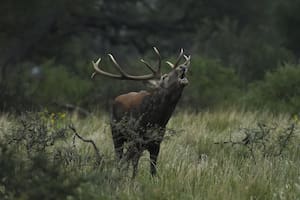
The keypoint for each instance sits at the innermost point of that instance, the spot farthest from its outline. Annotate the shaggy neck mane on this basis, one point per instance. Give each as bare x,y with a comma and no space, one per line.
158,107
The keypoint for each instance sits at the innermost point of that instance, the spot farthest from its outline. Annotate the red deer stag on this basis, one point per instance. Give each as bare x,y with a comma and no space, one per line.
139,118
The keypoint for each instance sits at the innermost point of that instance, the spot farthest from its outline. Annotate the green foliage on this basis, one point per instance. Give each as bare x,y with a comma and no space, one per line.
41,159
211,84
28,168
250,52
55,84
34,178
37,132
279,91
63,37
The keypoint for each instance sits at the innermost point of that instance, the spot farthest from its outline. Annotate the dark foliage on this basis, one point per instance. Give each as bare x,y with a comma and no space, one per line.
46,47
39,159
27,167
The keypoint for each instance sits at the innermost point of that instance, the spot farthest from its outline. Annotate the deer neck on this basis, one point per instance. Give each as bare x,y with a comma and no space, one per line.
159,106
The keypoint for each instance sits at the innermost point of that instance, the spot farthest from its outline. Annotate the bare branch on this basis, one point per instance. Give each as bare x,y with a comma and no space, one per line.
99,158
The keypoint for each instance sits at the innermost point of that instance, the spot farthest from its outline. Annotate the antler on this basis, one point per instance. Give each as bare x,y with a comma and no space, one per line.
124,75
159,62
186,62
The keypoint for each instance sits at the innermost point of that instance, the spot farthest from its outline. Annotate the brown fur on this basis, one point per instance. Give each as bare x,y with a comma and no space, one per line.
131,100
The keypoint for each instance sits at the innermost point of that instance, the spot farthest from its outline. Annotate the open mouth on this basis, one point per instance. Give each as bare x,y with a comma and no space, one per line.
182,79
182,76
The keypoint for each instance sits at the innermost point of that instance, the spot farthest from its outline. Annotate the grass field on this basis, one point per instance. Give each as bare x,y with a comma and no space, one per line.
194,163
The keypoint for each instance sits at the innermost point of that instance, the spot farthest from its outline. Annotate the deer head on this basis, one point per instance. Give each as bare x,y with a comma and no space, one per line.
177,76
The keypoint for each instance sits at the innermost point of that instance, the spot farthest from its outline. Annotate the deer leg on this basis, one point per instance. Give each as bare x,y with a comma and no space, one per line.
118,144
154,151
135,164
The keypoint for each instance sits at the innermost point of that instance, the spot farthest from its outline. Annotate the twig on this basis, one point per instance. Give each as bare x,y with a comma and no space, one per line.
97,152
261,136
286,139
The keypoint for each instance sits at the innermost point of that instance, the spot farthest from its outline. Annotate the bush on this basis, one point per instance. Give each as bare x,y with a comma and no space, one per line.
266,140
279,91
249,51
56,84
34,86
34,178
29,168
211,84
41,160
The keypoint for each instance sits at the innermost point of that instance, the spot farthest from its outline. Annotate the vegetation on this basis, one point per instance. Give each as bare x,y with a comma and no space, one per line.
196,162
279,91
236,131
46,49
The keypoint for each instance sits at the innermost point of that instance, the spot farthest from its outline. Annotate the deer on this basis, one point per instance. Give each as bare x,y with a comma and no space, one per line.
139,119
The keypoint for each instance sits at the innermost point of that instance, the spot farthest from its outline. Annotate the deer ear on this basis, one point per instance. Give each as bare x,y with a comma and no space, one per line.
152,83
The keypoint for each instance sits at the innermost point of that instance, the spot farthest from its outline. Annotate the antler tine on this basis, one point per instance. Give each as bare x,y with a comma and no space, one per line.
159,59
100,71
148,65
93,75
155,72
95,64
187,60
170,64
123,75
117,66
177,60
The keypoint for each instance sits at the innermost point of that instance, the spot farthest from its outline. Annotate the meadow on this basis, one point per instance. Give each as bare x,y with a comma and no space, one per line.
205,155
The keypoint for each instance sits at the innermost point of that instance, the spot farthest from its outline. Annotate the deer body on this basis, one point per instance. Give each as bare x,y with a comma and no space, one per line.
151,111
140,118
130,100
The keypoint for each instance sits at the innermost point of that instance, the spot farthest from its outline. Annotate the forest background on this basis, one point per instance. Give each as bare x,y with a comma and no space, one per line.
244,53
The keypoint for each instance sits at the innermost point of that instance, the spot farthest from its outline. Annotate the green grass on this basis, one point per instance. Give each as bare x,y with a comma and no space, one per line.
191,165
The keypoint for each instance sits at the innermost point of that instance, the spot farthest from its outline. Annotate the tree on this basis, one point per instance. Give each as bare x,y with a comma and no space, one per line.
288,23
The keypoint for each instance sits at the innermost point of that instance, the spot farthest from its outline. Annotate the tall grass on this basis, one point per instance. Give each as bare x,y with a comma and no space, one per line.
191,165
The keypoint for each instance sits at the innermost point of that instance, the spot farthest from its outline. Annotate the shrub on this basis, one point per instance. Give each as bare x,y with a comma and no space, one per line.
251,52
29,168
265,140
56,84
279,91
211,84
34,178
